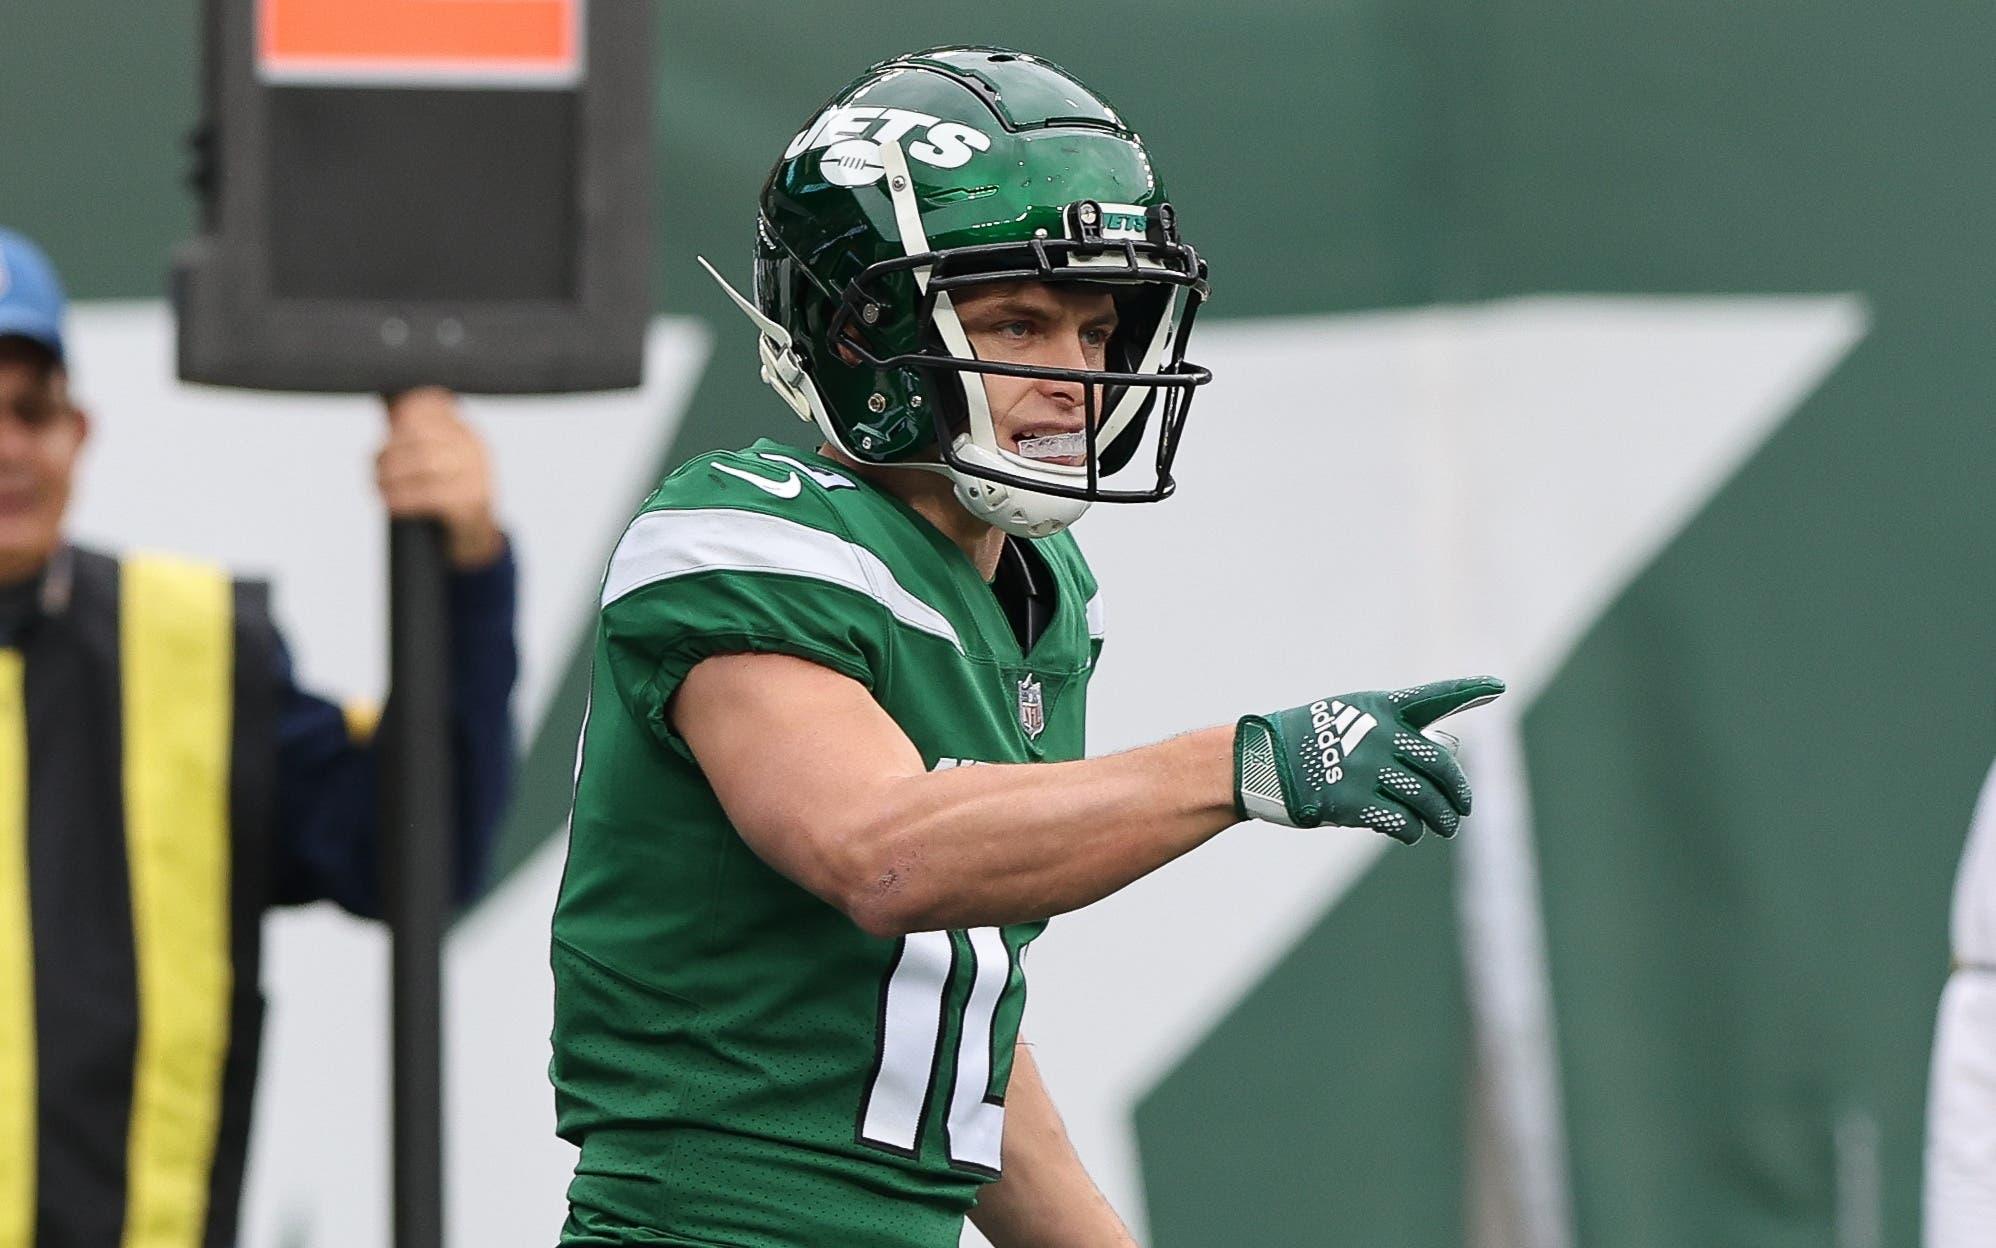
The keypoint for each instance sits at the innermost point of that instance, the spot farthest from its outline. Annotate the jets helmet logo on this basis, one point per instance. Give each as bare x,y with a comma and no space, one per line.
852,162
1032,708
848,138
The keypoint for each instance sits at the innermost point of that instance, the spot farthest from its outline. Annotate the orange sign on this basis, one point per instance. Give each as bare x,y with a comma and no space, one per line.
480,43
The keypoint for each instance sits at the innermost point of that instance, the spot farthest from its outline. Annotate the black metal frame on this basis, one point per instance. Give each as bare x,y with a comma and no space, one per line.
236,330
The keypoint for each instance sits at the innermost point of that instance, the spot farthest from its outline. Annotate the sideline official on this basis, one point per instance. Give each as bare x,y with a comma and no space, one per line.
163,781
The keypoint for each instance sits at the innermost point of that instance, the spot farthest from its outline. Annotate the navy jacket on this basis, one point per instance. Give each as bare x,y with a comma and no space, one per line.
328,783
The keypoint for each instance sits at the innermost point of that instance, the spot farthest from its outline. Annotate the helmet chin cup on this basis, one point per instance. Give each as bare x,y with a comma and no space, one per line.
1019,512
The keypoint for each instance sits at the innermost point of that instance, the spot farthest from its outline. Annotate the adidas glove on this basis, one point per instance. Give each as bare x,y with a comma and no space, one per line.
1358,761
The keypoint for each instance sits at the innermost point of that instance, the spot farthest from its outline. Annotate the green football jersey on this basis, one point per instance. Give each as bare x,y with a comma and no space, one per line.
740,1064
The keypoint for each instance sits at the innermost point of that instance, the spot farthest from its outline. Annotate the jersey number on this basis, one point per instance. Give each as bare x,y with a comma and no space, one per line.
914,1019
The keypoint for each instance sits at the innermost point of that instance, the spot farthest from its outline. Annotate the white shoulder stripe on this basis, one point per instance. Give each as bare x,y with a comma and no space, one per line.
661,545
1096,628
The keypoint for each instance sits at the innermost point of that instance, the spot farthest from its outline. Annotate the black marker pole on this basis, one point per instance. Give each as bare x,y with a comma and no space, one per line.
417,822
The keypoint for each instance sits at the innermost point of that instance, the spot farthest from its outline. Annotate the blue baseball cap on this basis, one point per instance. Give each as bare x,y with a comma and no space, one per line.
31,301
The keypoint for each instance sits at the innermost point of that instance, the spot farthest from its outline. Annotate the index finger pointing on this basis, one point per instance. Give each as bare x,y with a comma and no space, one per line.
1424,704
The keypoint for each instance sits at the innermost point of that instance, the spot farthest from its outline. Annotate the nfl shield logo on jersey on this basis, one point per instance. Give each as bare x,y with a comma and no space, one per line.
1032,708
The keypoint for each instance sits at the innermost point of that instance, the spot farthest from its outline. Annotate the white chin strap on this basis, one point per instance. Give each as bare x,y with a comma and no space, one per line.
1020,512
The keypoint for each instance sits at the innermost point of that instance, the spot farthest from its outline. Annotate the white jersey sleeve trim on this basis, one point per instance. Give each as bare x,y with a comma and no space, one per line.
662,545
1096,629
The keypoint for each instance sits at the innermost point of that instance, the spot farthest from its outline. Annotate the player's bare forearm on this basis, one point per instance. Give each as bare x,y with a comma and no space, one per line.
829,791
1046,1199
982,846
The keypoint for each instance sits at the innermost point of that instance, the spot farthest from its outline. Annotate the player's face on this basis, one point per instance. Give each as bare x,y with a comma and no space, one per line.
1046,325
41,432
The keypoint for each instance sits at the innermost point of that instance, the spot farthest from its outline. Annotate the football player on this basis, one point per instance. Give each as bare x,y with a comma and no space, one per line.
787,946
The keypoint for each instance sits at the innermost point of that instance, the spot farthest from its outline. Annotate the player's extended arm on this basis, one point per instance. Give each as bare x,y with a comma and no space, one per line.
828,790
1045,1199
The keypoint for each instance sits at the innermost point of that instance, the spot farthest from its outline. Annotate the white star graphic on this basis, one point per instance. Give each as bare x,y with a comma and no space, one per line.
1365,502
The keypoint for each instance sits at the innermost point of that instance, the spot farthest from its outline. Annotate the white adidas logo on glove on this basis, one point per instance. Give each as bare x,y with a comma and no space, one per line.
1339,730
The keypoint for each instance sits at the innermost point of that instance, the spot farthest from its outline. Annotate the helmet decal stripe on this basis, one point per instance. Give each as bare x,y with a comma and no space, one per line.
915,242
907,213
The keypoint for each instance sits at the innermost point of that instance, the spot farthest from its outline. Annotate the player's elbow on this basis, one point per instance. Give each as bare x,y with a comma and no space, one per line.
882,903
882,889
859,862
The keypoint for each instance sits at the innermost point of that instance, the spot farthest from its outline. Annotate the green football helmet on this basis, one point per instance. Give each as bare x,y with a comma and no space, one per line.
942,170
